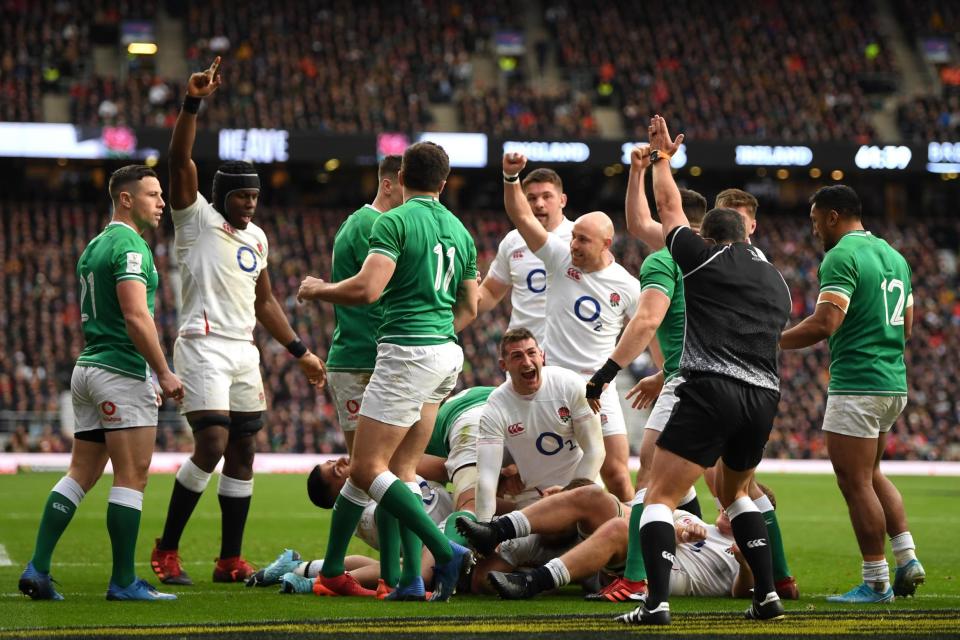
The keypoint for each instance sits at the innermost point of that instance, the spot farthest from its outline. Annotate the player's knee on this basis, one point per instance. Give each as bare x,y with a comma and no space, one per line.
243,425
210,439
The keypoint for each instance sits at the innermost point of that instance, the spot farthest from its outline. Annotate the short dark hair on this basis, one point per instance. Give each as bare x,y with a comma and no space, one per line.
123,176
543,175
319,490
425,166
389,166
839,198
694,206
723,225
730,198
515,335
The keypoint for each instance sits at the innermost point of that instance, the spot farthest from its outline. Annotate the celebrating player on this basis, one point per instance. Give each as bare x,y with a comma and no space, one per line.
423,262
590,298
225,291
516,268
865,312
541,417
114,399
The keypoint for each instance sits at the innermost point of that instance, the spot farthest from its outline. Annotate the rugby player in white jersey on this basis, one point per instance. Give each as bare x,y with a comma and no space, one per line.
225,290
708,562
540,416
516,268
590,299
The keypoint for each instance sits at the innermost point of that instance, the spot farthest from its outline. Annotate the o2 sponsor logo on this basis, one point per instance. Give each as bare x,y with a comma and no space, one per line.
537,280
550,443
247,259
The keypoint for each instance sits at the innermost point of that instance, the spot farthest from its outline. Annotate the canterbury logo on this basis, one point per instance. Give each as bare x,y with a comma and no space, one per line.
515,429
666,555
61,507
755,544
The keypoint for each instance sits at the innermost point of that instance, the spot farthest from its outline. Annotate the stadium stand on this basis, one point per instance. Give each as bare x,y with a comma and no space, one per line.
731,70
40,336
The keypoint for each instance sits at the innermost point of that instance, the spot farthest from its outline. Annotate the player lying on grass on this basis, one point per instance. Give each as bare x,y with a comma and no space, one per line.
707,561
323,485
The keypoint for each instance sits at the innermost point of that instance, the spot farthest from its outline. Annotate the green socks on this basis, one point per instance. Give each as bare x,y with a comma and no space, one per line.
347,511
388,532
392,494
450,527
61,504
780,568
635,569
123,524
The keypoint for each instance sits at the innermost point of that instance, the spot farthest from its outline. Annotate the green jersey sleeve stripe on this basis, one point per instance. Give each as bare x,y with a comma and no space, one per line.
132,276
389,254
655,286
833,287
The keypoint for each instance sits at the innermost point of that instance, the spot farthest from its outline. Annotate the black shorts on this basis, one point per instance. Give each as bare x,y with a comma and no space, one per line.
718,416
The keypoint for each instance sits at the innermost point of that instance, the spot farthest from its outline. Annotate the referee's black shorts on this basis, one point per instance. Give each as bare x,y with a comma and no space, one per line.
719,416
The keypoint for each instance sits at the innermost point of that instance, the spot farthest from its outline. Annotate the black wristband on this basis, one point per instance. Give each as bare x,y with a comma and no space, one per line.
191,104
604,375
296,348
511,178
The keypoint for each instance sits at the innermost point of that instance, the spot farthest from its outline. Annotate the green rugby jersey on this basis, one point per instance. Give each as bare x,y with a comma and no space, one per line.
873,280
453,408
117,254
434,254
660,272
354,344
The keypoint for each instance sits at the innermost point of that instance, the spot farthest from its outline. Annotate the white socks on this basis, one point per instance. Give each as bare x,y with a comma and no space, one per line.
904,550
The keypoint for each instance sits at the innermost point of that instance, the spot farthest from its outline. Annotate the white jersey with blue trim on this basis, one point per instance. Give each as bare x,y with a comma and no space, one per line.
537,430
219,266
519,267
706,568
586,311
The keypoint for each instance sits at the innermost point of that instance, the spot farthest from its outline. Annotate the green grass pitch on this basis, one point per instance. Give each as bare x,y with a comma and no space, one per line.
820,546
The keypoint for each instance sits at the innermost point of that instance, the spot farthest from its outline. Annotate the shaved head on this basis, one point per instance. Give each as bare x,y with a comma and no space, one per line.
596,222
591,238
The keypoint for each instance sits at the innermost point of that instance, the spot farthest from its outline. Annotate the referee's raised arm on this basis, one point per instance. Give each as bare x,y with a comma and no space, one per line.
665,191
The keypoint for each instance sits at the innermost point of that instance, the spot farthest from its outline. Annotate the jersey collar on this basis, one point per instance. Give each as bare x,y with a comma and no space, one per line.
123,224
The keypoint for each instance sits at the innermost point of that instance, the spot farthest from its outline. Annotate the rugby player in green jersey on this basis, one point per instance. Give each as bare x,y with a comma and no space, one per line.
114,398
865,312
422,266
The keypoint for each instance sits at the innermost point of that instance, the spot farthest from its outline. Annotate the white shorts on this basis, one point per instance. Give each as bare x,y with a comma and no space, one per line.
106,400
347,388
663,407
530,551
406,377
462,440
862,416
611,413
219,374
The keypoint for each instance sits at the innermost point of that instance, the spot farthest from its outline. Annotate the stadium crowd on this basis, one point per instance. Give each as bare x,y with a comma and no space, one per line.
728,71
40,336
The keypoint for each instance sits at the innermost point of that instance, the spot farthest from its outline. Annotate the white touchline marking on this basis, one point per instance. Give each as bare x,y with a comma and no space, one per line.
4,558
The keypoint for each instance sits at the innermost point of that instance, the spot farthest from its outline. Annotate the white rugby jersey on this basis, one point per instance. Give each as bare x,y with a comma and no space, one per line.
219,267
537,430
585,311
709,566
437,502
519,267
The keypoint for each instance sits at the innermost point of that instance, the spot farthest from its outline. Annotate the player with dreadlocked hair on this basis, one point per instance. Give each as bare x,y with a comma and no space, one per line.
225,288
